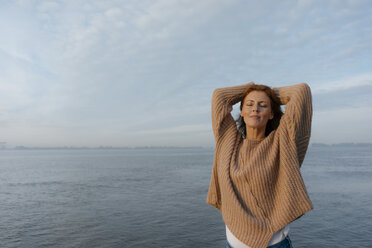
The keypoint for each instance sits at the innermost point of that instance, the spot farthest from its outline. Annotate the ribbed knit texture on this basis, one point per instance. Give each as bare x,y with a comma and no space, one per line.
257,185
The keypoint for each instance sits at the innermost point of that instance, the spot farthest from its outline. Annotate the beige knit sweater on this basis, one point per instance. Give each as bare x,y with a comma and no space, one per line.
257,185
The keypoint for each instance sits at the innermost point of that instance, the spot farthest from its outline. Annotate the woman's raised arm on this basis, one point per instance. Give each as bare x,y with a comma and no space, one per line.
297,117
222,101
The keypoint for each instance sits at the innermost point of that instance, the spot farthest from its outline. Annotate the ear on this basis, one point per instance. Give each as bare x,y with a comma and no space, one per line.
271,115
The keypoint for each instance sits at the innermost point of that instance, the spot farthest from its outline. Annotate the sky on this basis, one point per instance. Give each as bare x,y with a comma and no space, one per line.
142,73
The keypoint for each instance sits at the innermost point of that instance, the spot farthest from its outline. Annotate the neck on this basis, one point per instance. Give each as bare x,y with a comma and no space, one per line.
255,133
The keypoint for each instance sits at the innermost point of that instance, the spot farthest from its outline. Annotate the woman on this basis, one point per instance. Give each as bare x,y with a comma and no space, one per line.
256,181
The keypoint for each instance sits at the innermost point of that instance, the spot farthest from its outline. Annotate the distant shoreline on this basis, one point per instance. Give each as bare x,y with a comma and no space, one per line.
103,148
315,145
348,144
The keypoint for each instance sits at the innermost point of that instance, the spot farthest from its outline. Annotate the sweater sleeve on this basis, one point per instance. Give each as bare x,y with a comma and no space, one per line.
222,101
297,117
214,194
222,121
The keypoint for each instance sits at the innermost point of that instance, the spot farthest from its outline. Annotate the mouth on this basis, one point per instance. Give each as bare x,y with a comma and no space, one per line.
254,116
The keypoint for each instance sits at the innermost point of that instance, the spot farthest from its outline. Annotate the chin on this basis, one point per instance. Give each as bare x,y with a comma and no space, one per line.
253,125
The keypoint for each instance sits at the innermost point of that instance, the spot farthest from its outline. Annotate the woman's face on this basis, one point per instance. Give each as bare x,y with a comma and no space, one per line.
256,110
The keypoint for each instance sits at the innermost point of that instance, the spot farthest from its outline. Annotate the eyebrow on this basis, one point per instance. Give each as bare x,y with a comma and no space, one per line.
250,100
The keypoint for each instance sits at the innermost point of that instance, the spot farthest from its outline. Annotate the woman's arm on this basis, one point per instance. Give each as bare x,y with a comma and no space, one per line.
298,114
222,101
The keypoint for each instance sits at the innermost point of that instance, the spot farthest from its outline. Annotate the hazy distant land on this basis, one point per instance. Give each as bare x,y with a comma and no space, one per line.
348,144
98,147
3,147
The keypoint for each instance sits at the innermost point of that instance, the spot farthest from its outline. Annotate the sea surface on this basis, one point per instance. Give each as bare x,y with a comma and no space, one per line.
156,198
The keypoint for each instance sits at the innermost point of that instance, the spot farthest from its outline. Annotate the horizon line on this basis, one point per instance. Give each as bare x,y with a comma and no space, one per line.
21,147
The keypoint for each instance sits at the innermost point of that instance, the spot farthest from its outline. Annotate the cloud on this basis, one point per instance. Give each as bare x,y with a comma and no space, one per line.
17,55
48,6
344,84
342,125
151,66
356,97
353,92
178,129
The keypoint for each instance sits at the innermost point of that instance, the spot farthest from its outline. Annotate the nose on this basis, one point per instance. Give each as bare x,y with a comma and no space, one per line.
255,108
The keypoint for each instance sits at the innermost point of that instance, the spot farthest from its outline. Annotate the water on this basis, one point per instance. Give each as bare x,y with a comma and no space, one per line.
156,198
